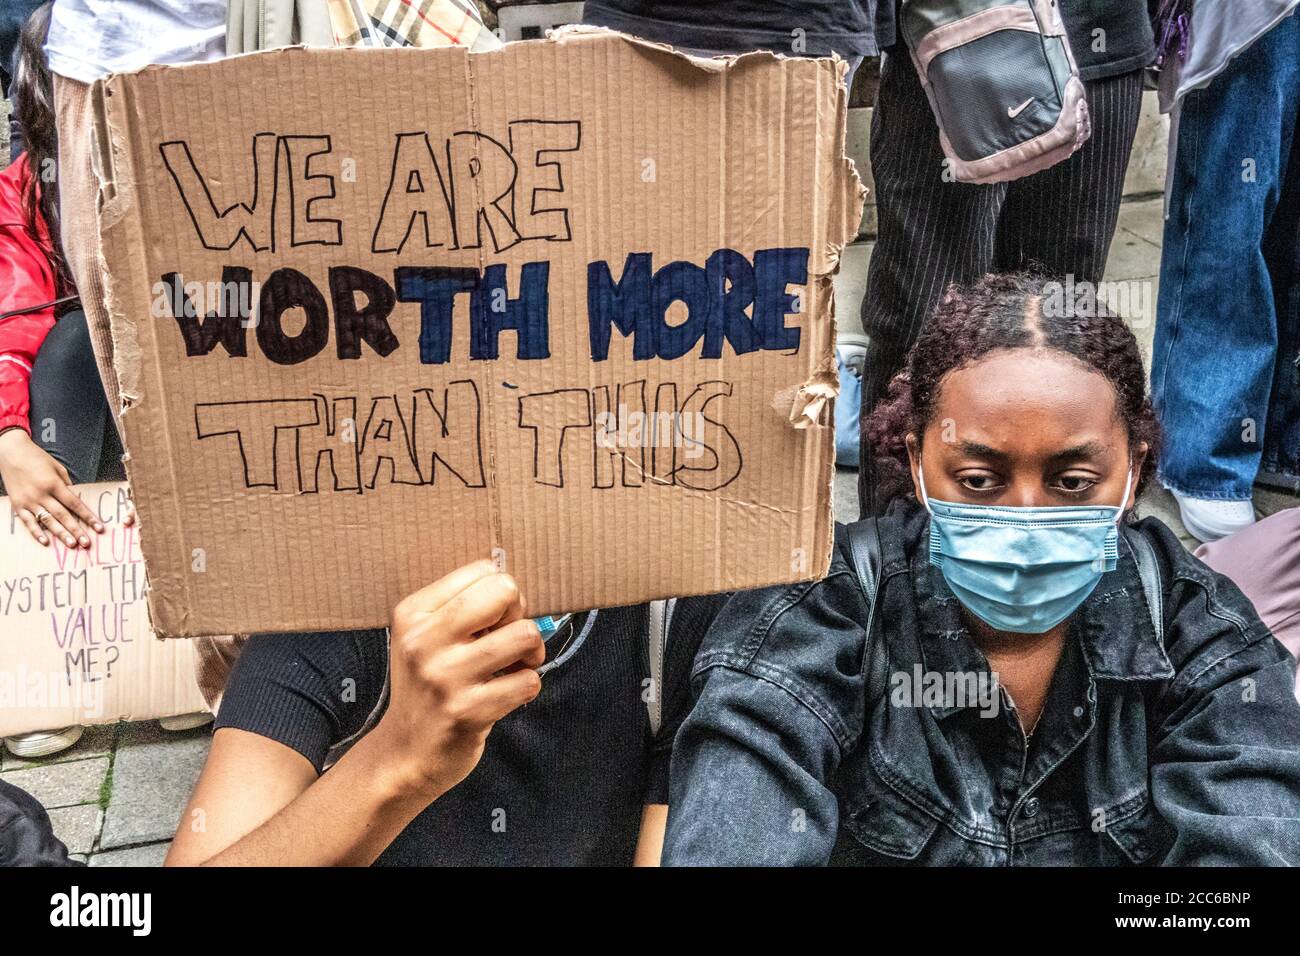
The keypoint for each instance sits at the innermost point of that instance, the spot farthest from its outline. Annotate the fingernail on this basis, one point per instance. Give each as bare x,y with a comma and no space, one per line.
99,528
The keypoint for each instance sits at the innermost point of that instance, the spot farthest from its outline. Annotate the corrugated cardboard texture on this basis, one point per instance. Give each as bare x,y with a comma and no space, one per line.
297,474
75,644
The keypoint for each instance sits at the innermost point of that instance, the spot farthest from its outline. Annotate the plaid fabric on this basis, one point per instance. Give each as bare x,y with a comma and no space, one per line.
421,23
349,30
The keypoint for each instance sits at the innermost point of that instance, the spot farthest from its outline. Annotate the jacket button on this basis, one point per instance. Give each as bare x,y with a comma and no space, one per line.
1031,807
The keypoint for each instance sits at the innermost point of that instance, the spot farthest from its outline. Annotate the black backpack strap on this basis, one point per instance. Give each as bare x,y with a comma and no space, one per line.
1152,584
868,560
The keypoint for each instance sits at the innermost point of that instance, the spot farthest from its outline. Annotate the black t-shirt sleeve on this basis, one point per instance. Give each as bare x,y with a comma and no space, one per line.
306,691
691,619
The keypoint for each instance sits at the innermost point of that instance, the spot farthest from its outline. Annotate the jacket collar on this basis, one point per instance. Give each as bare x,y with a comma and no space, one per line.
1113,626
1115,630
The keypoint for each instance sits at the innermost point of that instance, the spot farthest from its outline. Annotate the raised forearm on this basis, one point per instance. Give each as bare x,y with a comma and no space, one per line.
345,818
461,657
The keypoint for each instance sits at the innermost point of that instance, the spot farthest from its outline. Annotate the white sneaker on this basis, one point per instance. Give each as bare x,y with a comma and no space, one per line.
43,743
185,721
1209,519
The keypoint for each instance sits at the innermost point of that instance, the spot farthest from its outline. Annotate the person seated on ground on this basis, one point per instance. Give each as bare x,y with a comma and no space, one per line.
48,377
1263,559
1024,697
55,427
353,748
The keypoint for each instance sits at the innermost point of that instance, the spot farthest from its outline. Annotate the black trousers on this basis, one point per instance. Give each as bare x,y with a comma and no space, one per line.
933,233
26,836
69,413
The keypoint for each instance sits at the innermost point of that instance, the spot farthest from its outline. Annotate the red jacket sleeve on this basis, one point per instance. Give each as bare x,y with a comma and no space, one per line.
26,279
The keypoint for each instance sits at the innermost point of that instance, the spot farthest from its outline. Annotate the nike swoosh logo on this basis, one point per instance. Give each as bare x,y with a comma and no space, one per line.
1014,111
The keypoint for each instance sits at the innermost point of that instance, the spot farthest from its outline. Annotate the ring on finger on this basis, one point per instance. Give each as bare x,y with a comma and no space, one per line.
42,516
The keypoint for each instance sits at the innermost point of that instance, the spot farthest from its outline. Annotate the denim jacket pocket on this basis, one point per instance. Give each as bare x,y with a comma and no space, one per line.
1137,829
885,821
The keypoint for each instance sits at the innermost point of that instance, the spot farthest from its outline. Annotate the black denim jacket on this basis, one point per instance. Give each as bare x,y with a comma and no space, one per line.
1186,752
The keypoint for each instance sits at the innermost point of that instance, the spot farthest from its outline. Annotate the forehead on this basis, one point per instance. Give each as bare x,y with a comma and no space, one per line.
1028,398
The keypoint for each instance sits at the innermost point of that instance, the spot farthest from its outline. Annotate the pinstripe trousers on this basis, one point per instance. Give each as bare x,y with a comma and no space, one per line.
933,233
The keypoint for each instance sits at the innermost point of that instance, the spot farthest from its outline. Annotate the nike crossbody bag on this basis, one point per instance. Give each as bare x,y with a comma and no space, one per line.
1002,82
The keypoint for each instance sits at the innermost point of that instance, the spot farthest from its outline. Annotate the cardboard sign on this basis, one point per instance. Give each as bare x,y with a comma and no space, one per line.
75,643
378,313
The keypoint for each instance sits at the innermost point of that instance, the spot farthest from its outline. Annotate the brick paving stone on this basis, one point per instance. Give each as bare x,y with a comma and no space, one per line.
1131,256
851,286
844,495
1145,219
1146,167
77,827
151,854
61,784
153,774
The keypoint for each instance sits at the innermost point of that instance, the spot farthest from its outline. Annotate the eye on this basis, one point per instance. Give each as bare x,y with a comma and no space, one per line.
1075,484
980,482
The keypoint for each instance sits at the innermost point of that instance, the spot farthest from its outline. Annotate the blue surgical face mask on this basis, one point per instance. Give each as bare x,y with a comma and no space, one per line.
1023,570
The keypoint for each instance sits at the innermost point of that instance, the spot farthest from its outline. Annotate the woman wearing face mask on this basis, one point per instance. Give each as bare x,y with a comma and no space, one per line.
1023,698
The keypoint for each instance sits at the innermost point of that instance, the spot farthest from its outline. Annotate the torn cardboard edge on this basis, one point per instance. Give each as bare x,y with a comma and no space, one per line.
117,199
811,404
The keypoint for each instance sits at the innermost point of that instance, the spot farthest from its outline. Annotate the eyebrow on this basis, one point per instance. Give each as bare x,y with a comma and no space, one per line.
975,450
1089,449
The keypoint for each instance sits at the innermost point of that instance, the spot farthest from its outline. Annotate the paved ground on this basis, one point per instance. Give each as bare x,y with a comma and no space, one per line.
116,797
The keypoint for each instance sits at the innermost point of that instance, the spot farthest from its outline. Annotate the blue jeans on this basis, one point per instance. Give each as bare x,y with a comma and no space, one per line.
1224,373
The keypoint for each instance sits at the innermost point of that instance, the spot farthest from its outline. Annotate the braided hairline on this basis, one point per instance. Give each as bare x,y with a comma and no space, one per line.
1005,311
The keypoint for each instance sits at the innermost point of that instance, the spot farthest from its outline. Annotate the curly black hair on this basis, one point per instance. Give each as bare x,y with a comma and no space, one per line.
33,102
1006,311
